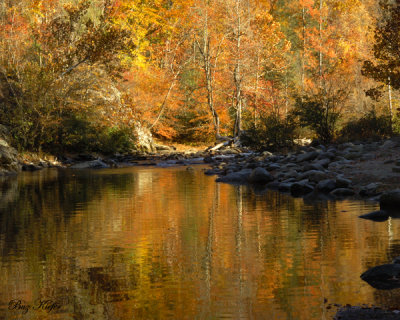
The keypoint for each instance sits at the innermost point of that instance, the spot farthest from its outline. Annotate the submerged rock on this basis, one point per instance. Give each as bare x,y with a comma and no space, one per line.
380,215
384,277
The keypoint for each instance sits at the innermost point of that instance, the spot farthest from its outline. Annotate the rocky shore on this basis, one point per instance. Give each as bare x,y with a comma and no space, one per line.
362,170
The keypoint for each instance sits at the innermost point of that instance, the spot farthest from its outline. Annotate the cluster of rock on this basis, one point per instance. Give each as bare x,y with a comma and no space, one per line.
309,170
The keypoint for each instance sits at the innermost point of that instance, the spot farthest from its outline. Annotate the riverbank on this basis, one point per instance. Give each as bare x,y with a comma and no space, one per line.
360,170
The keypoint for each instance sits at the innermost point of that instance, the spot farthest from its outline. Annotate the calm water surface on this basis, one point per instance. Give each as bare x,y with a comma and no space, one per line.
152,243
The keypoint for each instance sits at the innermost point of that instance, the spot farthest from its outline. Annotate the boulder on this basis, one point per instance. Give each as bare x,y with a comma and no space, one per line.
326,185
260,175
370,190
8,155
307,156
241,176
94,164
342,182
383,277
313,166
273,166
301,188
313,175
323,162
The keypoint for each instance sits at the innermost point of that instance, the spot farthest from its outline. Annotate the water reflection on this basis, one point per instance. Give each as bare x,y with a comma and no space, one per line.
151,243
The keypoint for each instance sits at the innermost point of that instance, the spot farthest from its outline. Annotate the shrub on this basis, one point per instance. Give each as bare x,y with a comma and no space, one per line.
370,126
271,133
320,112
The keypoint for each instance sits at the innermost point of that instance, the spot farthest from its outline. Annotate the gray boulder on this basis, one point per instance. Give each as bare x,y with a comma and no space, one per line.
342,182
241,176
313,175
370,190
307,156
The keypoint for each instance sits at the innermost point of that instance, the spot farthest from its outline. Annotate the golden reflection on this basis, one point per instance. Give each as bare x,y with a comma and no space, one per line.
151,243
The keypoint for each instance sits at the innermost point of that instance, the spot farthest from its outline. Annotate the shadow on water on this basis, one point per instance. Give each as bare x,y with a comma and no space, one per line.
151,243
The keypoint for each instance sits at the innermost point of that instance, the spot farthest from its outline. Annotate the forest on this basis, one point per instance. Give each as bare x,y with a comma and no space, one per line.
83,75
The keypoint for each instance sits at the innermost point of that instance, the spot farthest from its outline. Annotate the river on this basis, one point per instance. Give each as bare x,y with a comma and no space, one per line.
171,243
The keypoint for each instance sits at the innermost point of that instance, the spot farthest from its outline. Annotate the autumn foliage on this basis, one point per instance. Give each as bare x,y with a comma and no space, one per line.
75,73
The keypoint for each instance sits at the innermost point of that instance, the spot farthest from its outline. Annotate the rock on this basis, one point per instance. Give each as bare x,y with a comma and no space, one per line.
313,175
342,192
290,174
326,185
383,277
323,163
370,190
285,186
342,182
31,167
94,164
160,147
389,144
8,155
273,166
326,155
380,215
367,156
236,177
313,166
260,175
144,138
307,156
390,200
352,155
301,188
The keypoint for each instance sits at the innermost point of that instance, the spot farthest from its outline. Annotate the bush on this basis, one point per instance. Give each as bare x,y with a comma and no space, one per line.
271,133
78,134
370,126
320,112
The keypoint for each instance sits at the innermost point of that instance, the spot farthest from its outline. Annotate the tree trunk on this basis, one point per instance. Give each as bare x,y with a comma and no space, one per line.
237,77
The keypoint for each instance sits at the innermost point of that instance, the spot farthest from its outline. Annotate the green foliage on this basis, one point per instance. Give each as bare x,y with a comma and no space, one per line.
370,126
78,134
271,133
319,112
